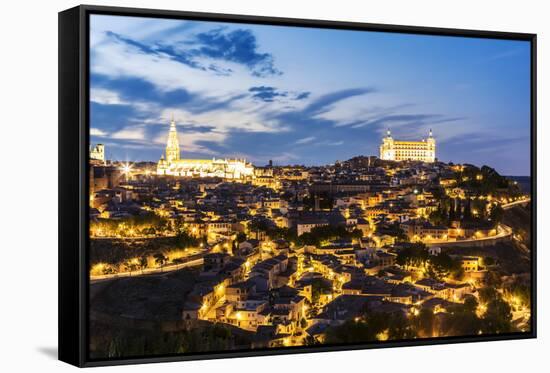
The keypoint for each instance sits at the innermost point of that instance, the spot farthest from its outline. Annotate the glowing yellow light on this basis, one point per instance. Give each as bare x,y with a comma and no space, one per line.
481,309
382,336
126,168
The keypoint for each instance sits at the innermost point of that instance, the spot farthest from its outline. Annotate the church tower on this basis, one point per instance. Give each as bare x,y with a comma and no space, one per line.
430,151
172,146
387,151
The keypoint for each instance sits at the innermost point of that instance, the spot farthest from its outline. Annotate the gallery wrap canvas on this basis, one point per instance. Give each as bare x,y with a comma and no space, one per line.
235,186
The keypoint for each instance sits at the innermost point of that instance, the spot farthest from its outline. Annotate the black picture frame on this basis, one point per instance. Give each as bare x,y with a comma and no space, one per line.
74,181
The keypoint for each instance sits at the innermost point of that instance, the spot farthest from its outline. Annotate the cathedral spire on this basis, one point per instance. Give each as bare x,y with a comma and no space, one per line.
172,123
172,145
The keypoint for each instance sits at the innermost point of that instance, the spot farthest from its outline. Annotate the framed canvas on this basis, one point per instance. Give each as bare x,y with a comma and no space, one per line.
234,186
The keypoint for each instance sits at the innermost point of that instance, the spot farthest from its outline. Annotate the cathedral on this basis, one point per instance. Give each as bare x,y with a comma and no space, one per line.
397,150
171,164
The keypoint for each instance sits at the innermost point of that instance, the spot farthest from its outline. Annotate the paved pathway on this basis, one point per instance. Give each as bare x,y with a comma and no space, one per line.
147,271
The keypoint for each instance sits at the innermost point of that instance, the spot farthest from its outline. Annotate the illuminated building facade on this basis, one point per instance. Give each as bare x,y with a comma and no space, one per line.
98,152
263,176
397,150
171,164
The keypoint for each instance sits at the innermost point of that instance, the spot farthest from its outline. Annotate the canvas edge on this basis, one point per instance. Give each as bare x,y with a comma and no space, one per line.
73,107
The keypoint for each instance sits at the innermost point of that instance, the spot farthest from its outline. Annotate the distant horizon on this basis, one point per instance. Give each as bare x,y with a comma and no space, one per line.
263,92
298,164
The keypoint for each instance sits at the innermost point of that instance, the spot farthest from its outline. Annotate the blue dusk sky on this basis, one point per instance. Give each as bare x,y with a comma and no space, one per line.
302,95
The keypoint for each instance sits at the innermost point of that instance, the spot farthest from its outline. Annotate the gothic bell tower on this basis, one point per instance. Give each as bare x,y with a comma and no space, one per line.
172,146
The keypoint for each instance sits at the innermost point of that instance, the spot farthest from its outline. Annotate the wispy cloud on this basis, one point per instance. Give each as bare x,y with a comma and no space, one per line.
105,96
305,140
325,102
238,46
396,120
267,94
129,133
97,132
270,94
202,50
504,54
330,143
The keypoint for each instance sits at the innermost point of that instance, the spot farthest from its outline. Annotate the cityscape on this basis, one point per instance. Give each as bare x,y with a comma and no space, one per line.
215,238
374,248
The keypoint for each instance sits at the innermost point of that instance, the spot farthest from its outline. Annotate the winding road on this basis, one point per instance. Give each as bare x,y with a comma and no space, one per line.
507,206
147,271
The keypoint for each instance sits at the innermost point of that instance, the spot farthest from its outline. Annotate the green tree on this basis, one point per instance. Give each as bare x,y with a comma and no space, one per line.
326,233
470,304
425,323
184,240
353,332
461,320
399,327
442,266
498,318
160,259
452,210
129,266
438,216
143,263
319,286
479,206
369,328
496,213
415,255
488,294
522,292
258,225
467,213
493,279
